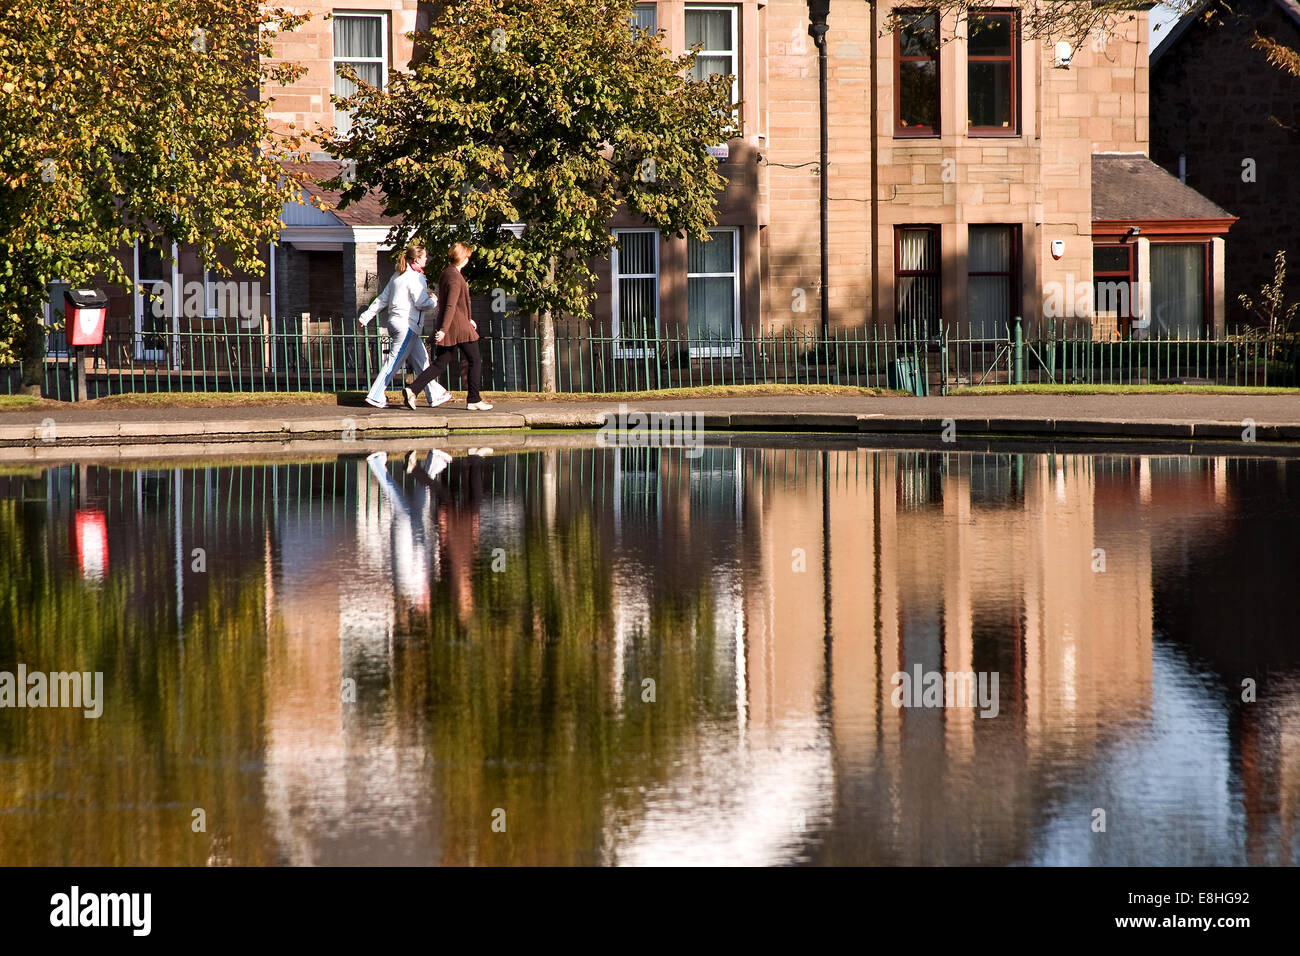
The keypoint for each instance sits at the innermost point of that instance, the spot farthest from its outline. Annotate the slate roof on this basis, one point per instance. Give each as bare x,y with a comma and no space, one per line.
367,211
1128,186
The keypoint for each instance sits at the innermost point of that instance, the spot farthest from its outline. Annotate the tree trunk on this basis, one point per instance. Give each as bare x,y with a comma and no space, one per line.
546,328
31,348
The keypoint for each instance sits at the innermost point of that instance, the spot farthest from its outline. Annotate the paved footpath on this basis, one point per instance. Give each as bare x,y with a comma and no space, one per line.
1198,417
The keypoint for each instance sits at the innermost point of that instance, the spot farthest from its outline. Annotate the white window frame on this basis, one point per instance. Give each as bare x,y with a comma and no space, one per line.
734,53
137,309
615,275
719,351
651,6
382,59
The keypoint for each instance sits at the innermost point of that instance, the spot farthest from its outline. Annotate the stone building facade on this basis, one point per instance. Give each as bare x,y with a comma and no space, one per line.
962,159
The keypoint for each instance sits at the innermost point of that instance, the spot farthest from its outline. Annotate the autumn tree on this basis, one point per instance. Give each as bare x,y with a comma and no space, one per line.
550,113
131,119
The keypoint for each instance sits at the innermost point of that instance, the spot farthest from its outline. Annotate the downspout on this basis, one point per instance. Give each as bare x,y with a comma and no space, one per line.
818,31
875,184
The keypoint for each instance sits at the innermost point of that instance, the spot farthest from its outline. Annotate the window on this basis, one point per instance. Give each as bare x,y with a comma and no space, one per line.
916,279
361,42
916,74
713,28
716,484
56,342
635,268
993,286
1113,305
153,300
713,293
1178,279
645,17
993,103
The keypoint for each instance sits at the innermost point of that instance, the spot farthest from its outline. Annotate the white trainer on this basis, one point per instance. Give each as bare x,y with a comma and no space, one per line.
478,406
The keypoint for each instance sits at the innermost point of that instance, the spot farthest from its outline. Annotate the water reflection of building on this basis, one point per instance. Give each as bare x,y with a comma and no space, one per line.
1038,568
796,583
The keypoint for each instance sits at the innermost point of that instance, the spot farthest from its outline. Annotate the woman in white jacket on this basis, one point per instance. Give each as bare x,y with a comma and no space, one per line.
406,297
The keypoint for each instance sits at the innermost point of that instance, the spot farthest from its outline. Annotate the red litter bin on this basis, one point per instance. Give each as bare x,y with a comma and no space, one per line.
84,311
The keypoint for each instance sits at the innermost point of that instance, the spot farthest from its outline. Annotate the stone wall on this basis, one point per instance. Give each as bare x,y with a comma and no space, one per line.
1219,103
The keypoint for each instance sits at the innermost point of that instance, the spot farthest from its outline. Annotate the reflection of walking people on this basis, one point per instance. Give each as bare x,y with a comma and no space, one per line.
454,330
406,297
458,528
412,556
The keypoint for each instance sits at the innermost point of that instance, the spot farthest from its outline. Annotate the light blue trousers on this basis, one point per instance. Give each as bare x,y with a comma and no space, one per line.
407,347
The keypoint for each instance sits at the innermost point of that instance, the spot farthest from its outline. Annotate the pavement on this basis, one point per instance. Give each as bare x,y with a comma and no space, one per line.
1185,417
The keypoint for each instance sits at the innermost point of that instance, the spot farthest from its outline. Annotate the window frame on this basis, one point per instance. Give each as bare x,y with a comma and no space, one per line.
721,350
901,273
1013,59
621,351
917,132
645,6
1017,293
335,59
1207,281
734,11
1123,324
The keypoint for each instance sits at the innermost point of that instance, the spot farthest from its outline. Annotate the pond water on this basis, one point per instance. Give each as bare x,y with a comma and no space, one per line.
645,656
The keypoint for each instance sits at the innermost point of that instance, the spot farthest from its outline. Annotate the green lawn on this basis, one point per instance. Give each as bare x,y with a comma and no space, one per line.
1121,390
238,399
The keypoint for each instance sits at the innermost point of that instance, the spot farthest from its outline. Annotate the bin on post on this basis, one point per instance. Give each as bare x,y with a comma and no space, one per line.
84,312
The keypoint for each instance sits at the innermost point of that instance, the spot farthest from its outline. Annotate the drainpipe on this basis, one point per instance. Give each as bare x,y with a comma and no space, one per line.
875,184
818,10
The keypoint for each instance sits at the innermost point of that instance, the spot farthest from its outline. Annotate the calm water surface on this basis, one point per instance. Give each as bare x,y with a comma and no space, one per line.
633,656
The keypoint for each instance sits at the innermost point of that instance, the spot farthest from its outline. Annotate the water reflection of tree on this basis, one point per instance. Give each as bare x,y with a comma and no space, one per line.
182,719
522,698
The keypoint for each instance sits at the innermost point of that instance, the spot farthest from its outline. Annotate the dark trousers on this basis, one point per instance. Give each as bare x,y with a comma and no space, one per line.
442,357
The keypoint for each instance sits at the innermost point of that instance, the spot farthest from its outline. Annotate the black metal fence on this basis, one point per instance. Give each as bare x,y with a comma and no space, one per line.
328,356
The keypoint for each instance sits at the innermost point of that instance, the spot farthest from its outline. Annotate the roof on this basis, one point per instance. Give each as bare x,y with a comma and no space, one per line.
1290,7
1129,187
366,211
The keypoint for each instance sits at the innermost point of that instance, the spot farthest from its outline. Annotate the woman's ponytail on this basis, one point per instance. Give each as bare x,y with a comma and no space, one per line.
408,254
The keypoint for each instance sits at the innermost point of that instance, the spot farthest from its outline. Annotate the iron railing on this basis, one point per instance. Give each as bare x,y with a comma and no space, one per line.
333,356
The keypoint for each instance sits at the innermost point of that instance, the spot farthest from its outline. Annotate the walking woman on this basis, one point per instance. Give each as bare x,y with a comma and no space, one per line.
406,297
455,329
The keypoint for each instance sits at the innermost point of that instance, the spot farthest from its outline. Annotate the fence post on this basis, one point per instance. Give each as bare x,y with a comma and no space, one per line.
1019,352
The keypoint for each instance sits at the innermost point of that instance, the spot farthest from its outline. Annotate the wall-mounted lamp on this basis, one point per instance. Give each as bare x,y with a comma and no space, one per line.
1063,55
1133,231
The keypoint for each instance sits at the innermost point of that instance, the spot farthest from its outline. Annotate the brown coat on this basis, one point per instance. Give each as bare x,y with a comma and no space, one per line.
453,309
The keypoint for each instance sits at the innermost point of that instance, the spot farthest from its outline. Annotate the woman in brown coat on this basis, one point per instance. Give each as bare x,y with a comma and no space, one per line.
454,329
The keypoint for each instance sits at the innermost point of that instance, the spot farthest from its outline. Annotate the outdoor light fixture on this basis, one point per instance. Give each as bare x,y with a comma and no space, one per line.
1063,54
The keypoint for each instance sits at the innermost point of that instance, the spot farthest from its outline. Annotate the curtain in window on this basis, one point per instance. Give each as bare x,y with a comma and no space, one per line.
644,17
1178,289
989,297
710,300
918,296
636,283
358,37
712,29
